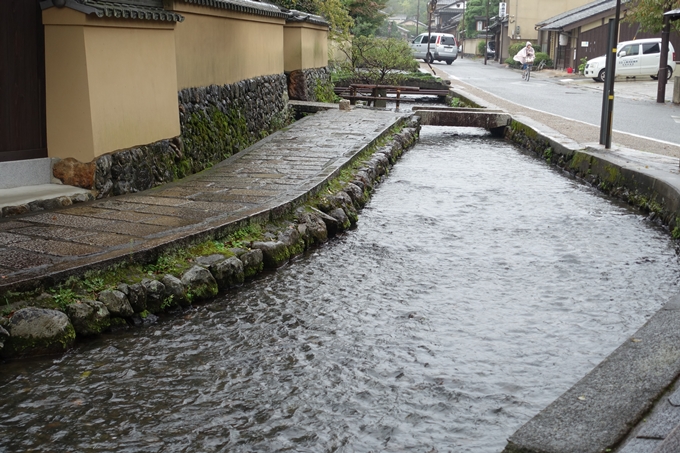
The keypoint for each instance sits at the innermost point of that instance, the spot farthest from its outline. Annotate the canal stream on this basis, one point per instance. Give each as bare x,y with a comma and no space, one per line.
479,285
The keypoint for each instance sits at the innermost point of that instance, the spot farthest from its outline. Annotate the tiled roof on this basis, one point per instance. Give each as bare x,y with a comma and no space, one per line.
126,11
592,9
117,10
298,16
243,6
153,9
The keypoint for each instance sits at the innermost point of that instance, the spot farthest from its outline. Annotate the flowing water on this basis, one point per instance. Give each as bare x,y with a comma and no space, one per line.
478,286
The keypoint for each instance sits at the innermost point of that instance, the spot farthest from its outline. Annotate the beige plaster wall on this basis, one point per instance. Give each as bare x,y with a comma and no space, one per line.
527,13
221,47
68,110
110,84
133,86
305,46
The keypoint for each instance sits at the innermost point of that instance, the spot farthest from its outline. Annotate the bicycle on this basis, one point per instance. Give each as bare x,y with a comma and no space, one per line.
526,75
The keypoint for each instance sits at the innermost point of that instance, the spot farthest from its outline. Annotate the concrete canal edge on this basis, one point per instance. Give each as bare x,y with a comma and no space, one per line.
598,412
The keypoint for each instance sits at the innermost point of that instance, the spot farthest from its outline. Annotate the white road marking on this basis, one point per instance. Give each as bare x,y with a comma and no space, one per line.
571,119
676,119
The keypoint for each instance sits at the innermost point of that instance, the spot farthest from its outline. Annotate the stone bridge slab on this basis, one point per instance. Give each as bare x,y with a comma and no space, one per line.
492,121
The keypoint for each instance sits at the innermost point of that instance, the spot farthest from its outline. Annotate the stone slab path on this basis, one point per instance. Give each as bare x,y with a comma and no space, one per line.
262,181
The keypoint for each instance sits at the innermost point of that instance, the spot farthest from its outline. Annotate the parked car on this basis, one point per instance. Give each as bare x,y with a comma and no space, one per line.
634,58
443,47
491,50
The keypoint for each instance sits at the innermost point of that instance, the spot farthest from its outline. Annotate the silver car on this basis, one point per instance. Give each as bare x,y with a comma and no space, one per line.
443,47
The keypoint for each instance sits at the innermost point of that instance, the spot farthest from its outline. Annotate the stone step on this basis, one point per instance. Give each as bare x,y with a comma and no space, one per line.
39,197
28,172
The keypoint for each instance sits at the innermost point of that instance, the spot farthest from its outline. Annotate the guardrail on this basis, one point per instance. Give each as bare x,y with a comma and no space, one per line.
380,94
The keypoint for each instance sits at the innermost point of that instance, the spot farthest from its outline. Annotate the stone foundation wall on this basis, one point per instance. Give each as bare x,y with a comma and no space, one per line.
303,83
36,328
216,122
652,196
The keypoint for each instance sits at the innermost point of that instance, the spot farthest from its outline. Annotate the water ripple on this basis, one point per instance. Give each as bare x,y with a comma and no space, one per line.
478,286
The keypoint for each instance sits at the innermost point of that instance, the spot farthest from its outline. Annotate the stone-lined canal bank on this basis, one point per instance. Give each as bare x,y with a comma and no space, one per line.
322,203
43,248
415,330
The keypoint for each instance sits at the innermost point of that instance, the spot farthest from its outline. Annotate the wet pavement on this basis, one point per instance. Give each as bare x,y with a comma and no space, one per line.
269,177
579,131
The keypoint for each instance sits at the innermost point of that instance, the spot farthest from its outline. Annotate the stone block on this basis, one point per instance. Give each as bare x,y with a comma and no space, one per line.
74,173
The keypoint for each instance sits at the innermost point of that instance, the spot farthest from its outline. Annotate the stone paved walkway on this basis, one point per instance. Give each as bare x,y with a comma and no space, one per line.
267,178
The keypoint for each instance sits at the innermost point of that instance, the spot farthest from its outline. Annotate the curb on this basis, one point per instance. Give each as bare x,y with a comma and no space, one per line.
596,414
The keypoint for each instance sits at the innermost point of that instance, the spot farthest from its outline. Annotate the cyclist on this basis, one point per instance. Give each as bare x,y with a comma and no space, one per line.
525,56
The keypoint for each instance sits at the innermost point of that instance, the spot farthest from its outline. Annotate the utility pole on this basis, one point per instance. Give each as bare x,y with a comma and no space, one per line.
432,4
663,63
486,35
463,33
607,119
417,17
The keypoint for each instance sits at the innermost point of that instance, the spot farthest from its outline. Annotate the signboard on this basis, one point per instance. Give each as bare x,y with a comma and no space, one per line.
584,43
502,8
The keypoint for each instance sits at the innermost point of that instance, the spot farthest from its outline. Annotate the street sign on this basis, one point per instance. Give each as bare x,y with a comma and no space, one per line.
502,8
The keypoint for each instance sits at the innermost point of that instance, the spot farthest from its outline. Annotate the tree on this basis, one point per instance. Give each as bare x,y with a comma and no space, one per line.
475,9
308,6
412,9
362,17
337,16
367,15
379,60
334,11
649,13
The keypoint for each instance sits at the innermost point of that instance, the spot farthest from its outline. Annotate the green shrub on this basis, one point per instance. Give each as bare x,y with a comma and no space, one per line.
541,56
323,92
481,47
379,60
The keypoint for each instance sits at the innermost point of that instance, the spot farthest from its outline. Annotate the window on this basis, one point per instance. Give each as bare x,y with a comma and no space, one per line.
448,41
651,48
480,25
631,49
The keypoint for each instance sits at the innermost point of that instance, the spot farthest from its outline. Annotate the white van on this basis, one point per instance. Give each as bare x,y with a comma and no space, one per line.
443,47
634,58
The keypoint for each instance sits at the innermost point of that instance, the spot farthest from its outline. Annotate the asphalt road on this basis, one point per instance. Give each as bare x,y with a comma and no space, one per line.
636,111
